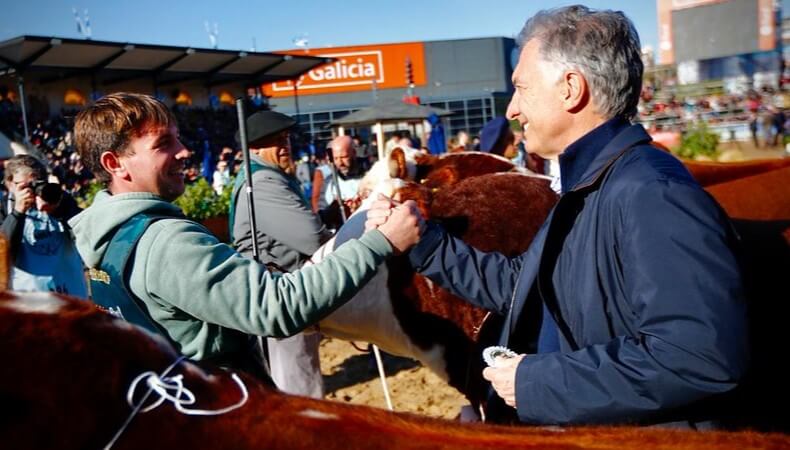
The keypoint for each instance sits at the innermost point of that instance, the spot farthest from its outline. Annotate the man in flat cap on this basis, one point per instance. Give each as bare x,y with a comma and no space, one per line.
154,268
496,137
287,231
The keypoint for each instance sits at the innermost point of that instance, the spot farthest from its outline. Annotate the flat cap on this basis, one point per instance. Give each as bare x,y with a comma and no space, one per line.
492,132
266,123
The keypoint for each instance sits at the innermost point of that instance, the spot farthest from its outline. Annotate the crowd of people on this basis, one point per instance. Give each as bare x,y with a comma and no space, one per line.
763,110
628,307
210,135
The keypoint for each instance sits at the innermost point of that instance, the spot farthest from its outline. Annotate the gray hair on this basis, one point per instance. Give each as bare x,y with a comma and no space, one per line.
603,45
24,164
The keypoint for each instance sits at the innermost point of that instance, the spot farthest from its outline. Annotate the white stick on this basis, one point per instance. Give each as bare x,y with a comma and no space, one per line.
382,376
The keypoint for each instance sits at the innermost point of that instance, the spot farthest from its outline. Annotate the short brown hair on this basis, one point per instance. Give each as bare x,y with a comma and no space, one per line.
111,122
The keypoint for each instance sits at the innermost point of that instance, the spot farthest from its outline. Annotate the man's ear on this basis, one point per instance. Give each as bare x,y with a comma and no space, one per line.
574,90
112,164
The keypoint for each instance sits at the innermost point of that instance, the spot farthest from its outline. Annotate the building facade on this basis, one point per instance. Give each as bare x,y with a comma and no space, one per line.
738,42
470,77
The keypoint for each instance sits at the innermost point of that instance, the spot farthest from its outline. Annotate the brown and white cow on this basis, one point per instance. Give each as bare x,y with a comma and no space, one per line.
484,200
66,369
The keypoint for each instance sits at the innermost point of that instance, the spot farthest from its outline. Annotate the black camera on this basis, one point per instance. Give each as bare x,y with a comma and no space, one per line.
49,192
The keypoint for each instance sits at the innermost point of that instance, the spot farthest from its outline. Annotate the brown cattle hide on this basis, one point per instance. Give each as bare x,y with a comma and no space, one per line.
67,366
495,212
436,172
759,206
765,196
711,173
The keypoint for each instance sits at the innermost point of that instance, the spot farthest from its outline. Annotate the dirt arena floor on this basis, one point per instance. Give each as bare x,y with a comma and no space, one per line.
350,376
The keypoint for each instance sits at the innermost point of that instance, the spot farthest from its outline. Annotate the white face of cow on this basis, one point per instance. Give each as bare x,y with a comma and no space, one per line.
383,177
369,317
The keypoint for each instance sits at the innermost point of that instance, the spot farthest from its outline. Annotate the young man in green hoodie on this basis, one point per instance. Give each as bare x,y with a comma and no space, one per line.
153,267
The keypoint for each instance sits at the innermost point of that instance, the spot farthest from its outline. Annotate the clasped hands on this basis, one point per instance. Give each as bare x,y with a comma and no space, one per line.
401,223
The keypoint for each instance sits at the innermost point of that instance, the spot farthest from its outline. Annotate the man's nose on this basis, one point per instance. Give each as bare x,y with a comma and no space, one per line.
183,152
512,108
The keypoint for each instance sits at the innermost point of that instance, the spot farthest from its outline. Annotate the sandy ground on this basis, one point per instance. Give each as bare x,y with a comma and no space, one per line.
350,376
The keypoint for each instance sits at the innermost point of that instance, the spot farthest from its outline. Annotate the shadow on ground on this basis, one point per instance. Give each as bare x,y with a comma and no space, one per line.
362,368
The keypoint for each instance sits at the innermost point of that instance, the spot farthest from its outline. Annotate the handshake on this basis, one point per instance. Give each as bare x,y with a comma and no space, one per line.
401,223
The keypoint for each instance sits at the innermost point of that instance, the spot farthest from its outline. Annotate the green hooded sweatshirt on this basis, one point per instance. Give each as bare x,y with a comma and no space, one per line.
200,290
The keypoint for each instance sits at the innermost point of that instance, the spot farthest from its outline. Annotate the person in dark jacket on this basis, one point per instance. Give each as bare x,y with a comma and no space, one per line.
288,233
629,305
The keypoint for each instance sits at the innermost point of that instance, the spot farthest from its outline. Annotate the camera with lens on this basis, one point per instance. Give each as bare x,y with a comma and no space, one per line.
49,192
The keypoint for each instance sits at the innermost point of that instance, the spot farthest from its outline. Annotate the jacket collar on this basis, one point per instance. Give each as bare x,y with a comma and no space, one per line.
257,159
582,162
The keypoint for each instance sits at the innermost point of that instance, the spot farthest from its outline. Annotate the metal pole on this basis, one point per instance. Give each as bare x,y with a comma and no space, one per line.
21,86
380,140
245,151
296,99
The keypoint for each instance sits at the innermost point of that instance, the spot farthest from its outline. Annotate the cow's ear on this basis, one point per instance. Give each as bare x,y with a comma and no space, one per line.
419,193
424,159
441,177
424,165
397,164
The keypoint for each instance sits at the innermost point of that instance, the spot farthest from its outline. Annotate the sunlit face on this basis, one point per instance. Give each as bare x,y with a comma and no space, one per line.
155,163
345,157
279,147
536,103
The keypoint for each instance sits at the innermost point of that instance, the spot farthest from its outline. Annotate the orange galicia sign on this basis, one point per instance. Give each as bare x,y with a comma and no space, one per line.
357,68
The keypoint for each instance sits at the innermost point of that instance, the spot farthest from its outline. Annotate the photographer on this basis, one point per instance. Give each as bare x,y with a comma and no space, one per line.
34,220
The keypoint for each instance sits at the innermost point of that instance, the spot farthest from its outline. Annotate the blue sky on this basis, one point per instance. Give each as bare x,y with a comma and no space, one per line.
274,24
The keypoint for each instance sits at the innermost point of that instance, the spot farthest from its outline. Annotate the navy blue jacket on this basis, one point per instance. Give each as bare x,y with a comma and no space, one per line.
649,296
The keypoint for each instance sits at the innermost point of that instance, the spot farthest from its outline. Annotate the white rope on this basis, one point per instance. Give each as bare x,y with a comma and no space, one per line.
382,376
161,384
182,396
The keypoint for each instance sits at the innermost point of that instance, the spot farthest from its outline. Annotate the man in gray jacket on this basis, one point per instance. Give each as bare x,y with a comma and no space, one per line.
287,231
153,267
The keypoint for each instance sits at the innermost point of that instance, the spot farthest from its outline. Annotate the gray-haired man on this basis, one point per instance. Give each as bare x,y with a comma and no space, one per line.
632,277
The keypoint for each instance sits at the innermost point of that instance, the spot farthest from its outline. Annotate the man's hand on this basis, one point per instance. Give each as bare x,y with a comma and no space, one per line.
503,378
24,199
401,224
380,210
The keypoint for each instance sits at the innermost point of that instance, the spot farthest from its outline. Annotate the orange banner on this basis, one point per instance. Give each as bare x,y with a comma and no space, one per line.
666,54
357,69
766,24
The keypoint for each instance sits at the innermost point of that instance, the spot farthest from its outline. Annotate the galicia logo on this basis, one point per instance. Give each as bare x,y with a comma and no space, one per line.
350,69
342,70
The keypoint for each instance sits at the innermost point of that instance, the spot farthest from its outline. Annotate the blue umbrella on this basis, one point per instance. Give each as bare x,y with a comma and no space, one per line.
436,143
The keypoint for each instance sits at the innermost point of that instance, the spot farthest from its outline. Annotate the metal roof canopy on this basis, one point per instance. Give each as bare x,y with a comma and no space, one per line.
387,112
51,59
